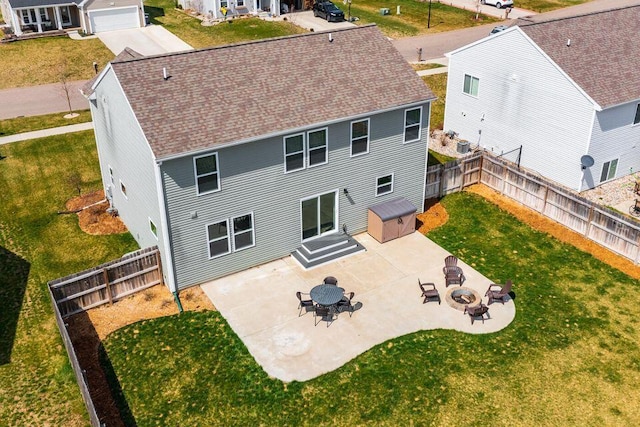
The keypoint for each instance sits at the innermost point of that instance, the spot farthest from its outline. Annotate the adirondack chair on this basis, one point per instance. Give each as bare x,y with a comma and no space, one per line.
429,292
477,311
498,293
450,263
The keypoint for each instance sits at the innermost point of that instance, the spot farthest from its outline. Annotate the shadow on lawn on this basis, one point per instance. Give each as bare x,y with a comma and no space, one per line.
14,273
111,407
154,12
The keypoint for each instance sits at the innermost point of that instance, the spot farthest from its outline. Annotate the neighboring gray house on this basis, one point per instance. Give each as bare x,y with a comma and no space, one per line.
90,16
233,156
562,89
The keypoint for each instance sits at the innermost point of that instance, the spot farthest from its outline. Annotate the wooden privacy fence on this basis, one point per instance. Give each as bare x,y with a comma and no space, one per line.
108,282
77,369
608,228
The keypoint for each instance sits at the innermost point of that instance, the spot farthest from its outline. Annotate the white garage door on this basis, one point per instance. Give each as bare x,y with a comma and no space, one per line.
114,19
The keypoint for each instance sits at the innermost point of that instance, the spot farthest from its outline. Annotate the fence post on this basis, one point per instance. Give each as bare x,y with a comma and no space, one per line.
589,219
441,180
105,274
159,265
481,166
504,178
544,201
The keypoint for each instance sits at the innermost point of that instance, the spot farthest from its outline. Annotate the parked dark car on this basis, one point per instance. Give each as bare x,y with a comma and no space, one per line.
328,11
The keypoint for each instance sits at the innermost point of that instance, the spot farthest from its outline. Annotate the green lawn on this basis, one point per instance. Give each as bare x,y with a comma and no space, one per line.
414,16
192,32
570,357
547,5
40,61
28,124
37,385
438,85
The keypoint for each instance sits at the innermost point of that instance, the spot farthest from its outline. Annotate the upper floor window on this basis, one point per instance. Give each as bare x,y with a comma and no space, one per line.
384,185
636,119
207,173
609,170
412,124
471,85
305,150
317,147
359,137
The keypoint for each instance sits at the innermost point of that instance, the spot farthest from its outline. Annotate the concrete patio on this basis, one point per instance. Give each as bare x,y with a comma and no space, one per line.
261,306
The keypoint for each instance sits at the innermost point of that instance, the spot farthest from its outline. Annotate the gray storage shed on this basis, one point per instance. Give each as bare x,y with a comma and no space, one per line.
392,219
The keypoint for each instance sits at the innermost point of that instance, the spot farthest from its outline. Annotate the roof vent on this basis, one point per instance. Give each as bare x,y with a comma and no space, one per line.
568,42
330,38
165,75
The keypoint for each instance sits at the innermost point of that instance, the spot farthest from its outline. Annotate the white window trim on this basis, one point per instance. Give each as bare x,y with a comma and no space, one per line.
336,213
617,160
368,136
151,228
308,148
471,85
206,230
378,186
125,189
233,233
404,129
635,114
217,172
303,151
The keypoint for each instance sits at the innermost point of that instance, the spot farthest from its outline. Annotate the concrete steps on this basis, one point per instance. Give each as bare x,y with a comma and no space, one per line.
326,249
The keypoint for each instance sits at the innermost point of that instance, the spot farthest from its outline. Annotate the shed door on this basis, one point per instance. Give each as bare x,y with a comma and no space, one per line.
114,19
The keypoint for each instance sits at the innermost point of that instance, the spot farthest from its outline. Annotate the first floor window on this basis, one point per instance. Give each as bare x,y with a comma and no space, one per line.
111,178
412,124
123,189
636,119
609,170
207,173
218,238
224,3
384,185
317,147
243,236
153,228
29,16
471,85
66,15
359,137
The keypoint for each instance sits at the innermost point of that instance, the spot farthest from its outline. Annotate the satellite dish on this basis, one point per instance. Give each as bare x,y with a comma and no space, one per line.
586,161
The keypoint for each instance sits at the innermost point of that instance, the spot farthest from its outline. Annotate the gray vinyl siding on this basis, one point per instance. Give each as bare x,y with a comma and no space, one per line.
614,137
523,100
125,149
253,180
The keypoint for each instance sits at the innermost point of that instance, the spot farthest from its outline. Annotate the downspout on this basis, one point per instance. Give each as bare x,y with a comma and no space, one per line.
171,278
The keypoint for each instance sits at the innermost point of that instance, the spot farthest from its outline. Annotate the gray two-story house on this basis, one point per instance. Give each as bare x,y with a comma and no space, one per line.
233,156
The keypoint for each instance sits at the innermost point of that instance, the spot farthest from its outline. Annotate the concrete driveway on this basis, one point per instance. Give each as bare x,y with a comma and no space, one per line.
261,307
150,40
307,21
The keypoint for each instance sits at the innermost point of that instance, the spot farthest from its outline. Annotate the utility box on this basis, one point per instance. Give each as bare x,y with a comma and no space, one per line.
463,146
385,11
392,219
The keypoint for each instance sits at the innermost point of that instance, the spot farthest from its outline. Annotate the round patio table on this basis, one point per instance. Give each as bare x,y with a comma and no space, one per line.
326,295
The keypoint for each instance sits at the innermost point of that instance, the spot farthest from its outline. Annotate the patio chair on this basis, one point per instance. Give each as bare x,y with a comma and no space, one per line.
454,277
345,303
498,293
304,303
330,280
636,188
429,292
477,311
450,263
324,313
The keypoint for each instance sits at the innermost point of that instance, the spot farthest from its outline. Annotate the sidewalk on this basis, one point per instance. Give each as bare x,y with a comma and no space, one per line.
45,132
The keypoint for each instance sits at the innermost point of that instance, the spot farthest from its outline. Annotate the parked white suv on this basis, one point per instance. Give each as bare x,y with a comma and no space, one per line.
498,3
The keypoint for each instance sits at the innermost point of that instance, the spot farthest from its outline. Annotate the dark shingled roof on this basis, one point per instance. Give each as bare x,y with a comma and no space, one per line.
239,92
602,57
33,3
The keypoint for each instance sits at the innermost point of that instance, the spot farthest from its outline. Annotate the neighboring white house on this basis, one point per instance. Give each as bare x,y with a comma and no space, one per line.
566,90
90,16
215,8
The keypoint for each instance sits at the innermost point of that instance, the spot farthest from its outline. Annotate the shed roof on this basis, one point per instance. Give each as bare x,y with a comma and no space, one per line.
241,92
393,208
600,57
